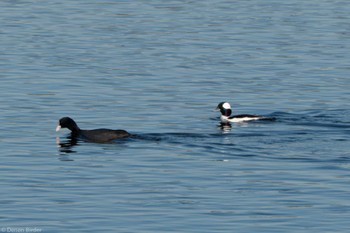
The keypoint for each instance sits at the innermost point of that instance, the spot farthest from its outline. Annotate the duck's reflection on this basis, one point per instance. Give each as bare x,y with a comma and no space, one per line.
225,127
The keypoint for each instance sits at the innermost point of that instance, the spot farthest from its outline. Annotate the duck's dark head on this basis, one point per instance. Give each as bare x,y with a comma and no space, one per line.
225,108
69,123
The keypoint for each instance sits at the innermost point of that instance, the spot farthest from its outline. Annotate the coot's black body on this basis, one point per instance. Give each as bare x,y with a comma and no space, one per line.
95,135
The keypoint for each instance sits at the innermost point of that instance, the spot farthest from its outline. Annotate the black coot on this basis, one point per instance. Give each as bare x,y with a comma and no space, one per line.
95,135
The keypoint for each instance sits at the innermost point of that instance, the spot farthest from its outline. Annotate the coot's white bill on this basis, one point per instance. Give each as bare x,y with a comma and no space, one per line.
58,128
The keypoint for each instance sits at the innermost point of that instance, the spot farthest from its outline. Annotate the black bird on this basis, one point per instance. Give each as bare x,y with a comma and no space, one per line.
94,135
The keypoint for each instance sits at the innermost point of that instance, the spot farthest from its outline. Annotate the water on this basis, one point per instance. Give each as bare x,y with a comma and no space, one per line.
158,69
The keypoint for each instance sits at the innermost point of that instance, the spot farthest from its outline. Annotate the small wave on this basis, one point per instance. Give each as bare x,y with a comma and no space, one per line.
326,119
168,136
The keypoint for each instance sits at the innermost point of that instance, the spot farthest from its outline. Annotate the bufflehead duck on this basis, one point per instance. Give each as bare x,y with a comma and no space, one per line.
225,109
95,135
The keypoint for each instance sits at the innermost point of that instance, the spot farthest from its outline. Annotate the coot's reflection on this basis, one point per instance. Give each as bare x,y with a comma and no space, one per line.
66,146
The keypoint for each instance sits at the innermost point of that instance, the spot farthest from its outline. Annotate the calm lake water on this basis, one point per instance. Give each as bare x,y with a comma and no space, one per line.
158,69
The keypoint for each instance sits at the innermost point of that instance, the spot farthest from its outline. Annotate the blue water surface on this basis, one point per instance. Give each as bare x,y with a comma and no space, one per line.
158,69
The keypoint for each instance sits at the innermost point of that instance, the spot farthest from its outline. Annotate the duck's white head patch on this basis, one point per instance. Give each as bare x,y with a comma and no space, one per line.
226,105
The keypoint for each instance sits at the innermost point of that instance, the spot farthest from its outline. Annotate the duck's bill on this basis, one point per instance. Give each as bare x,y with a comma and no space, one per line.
58,128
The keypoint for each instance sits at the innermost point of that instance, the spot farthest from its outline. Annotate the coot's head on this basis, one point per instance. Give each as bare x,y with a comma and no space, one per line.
69,123
225,108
